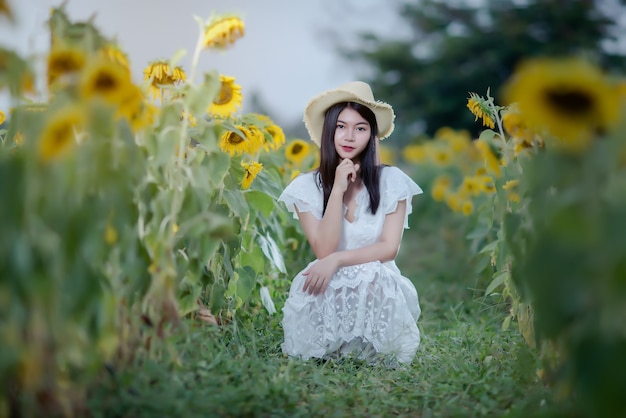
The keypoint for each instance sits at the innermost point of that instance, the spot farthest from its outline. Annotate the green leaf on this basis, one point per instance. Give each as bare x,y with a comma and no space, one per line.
246,282
217,298
272,252
480,232
487,135
253,258
199,98
237,203
260,201
497,282
489,247
506,323
219,163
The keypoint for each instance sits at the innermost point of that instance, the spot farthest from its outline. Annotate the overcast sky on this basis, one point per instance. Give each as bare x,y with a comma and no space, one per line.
285,56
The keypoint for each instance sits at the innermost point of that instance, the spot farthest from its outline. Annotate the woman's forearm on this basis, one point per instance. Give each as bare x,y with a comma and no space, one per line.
328,236
379,251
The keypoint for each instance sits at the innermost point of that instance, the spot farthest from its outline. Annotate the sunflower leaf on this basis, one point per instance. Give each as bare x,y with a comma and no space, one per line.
487,135
272,252
260,201
246,282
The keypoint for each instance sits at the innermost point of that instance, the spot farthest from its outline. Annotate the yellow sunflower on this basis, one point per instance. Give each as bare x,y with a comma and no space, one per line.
228,100
415,153
130,103
511,188
470,186
439,193
441,157
513,197
223,32
278,137
510,185
453,201
467,207
297,150
144,116
255,139
569,98
19,139
3,117
133,108
110,234
64,60
28,82
459,141
440,188
492,163
251,171
116,55
5,9
481,109
233,143
161,74
106,80
387,155
58,136
486,184
271,130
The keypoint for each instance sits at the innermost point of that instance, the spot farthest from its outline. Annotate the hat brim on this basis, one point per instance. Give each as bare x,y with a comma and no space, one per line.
316,110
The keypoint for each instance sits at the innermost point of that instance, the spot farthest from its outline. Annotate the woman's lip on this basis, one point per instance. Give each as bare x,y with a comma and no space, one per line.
347,148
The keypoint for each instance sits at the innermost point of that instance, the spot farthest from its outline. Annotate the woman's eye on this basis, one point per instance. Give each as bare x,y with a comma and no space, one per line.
339,126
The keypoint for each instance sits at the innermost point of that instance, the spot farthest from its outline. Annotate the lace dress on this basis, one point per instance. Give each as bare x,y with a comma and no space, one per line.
369,311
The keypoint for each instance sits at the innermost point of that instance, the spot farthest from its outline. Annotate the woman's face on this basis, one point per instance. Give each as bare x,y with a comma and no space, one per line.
352,134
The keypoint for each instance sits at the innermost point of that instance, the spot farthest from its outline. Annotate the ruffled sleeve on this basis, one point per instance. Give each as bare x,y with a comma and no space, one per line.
304,194
397,186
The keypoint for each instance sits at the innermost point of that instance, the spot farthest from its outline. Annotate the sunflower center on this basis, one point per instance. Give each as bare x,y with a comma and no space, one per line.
66,64
225,96
235,139
569,102
61,135
297,149
105,82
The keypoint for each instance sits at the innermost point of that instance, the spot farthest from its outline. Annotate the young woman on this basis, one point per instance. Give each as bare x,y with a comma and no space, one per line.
352,301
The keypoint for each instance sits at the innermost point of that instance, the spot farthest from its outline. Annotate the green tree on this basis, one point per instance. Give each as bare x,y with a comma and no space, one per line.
455,48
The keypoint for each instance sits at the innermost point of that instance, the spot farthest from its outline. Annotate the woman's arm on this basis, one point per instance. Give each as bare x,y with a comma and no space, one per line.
385,249
324,235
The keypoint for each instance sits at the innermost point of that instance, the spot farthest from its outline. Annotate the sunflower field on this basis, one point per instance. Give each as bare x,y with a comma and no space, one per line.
540,197
131,209
128,206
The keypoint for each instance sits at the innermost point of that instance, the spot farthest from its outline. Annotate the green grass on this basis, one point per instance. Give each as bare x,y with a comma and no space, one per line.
466,367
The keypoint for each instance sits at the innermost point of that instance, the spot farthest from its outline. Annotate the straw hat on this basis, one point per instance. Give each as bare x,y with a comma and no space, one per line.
355,91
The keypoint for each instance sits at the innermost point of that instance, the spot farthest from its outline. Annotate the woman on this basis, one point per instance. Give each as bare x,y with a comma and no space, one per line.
352,301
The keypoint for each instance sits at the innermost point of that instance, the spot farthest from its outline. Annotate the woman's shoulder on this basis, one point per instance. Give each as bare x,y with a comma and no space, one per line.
303,183
392,172
394,178
308,178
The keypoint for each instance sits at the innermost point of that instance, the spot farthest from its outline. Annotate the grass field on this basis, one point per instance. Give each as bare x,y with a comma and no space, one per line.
466,366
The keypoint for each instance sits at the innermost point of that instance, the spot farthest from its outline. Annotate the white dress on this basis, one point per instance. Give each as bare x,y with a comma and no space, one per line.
369,311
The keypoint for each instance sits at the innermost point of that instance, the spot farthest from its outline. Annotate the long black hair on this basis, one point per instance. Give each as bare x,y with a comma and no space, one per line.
329,159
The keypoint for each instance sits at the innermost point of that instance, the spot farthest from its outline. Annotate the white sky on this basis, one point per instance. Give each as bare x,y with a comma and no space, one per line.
285,56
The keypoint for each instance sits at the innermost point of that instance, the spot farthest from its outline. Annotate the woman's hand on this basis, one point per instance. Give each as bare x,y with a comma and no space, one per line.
319,274
345,173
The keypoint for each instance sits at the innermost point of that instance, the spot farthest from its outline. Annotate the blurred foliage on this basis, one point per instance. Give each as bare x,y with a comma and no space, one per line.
455,48
119,216
543,218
